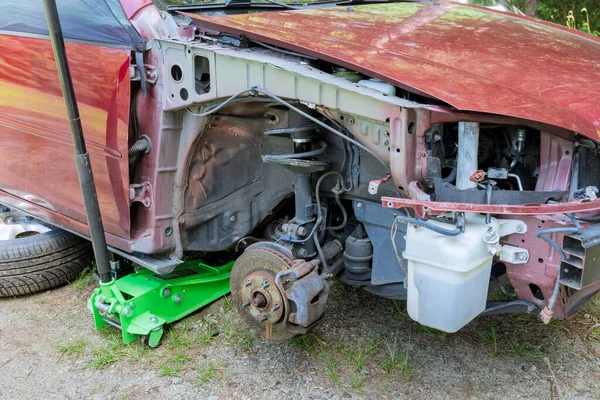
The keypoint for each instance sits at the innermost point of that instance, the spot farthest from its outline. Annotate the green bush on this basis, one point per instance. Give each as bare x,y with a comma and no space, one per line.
580,14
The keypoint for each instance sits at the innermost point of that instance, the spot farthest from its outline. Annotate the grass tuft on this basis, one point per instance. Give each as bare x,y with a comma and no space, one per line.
85,279
75,349
208,373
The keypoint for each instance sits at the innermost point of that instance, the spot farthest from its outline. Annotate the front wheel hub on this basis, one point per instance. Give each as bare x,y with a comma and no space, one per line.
254,289
266,302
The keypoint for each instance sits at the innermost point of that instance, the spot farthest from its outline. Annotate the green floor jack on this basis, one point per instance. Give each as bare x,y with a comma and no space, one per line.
142,303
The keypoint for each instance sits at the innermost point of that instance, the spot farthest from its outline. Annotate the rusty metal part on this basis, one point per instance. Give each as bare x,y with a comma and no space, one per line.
260,290
423,208
309,294
254,290
307,291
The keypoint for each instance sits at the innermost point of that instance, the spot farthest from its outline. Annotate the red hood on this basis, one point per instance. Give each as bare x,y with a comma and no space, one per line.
472,58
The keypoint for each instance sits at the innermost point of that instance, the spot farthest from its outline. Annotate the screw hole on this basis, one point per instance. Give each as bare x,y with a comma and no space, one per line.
541,260
168,231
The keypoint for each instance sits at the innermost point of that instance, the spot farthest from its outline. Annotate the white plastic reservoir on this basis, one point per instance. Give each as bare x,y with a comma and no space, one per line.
448,276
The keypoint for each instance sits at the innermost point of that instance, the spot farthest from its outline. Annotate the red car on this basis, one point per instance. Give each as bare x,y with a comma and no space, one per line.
419,150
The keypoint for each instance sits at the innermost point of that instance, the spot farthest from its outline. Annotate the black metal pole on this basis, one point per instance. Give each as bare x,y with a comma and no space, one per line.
82,158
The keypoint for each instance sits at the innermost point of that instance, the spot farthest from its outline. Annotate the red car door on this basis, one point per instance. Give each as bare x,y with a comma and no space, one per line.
37,170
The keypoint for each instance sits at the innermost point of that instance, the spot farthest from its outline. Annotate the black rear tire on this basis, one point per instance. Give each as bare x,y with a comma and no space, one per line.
41,262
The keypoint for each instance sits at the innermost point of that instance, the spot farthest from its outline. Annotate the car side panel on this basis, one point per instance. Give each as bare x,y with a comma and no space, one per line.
36,152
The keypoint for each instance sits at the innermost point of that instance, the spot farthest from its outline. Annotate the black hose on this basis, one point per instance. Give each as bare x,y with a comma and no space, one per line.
515,160
452,177
438,229
142,144
306,154
320,211
344,216
589,219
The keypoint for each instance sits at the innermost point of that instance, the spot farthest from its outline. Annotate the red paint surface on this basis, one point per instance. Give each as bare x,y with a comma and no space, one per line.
36,156
471,58
425,207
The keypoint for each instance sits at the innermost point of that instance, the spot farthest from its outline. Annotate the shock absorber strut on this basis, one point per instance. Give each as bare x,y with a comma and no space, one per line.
302,132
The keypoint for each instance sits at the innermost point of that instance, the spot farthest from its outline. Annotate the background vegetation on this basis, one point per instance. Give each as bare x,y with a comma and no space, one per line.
580,14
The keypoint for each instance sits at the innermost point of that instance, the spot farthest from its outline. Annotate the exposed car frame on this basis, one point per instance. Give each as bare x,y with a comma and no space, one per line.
344,147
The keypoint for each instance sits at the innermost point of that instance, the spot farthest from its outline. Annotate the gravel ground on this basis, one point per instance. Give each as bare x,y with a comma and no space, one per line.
366,347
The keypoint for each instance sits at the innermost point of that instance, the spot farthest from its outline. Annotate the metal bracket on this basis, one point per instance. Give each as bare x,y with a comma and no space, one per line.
510,226
150,73
355,165
141,192
374,184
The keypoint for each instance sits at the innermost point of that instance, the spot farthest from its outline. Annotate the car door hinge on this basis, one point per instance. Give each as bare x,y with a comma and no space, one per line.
141,192
150,74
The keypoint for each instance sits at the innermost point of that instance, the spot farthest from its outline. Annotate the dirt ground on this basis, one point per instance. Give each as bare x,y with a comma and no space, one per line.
366,347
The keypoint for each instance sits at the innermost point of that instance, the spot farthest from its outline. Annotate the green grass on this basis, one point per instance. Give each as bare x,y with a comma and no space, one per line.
492,338
436,335
305,342
102,357
228,304
357,380
395,362
358,355
207,334
170,369
180,337
174,365
330,365
525,350
246,340
136,351
208,373
237,336
398,306
85,279
75,349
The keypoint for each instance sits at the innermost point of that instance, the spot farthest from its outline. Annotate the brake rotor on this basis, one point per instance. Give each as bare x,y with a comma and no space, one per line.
254,290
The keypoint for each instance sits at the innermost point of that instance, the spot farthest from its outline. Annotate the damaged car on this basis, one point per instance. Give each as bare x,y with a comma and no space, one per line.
420,150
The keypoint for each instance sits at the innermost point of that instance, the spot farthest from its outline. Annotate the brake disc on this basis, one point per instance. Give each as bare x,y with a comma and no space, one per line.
254,290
